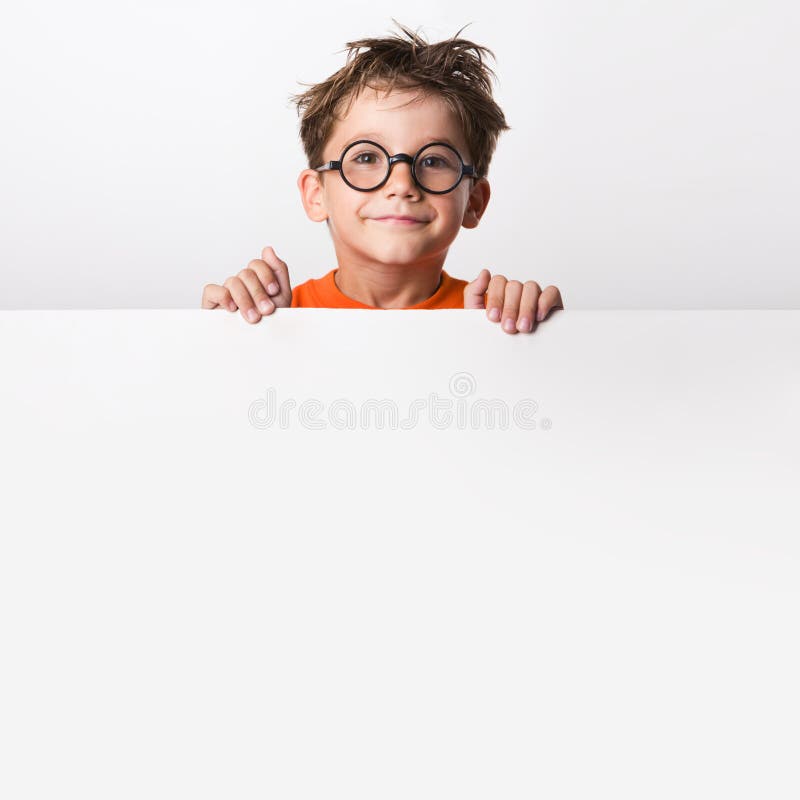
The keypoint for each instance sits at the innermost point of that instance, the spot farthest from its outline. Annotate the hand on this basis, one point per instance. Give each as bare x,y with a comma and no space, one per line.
261,287
520,306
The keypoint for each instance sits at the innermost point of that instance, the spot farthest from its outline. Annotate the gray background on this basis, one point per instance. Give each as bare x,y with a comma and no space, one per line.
149,148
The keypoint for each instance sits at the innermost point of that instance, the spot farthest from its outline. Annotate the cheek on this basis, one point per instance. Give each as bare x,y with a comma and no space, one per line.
453,204
346,207
453,213
343,213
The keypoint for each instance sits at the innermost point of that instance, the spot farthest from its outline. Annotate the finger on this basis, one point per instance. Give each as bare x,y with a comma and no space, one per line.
266,276
215,296
475,292
511,306
495,297
283,297
242,298
257,276
527,306
549,299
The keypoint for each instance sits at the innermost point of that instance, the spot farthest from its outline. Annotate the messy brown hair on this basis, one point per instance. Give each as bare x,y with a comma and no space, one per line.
453,69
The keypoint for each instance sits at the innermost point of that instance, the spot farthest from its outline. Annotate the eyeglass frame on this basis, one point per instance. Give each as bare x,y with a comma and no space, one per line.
466,169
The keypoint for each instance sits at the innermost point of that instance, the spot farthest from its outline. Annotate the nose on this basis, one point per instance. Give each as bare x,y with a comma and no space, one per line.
401,180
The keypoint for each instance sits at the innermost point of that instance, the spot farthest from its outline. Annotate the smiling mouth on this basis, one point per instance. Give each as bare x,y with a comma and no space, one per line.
395,221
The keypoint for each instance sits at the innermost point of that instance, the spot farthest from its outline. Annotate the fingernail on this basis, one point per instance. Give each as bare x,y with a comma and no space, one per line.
494,314
252,315
265,306
232,306
509,325
540,316
273,288
524,324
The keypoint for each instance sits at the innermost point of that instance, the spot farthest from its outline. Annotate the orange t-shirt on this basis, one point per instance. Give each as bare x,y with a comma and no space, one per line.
324,293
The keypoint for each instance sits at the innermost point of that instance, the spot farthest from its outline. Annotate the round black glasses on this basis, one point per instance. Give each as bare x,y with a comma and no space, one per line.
437,167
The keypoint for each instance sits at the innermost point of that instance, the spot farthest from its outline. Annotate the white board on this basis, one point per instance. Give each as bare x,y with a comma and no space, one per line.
197,600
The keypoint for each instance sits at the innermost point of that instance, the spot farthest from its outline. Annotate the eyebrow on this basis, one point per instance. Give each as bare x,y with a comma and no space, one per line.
375,136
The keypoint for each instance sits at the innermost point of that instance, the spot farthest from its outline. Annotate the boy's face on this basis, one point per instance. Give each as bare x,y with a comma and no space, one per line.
358,236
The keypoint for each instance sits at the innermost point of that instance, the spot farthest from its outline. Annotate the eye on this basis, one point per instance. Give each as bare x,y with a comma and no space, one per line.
438,161
364,154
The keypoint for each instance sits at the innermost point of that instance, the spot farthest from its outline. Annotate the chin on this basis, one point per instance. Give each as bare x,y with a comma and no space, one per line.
399,250
398,255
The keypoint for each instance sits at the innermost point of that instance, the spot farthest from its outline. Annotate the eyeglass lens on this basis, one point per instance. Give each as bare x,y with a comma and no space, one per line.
438,168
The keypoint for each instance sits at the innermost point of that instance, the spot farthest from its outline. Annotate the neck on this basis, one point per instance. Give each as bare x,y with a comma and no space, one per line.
389,285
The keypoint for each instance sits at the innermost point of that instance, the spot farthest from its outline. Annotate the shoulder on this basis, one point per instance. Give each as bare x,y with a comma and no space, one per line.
450,293
313,292
453,283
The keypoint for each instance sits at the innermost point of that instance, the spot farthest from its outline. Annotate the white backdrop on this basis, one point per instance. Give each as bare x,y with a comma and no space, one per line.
149,148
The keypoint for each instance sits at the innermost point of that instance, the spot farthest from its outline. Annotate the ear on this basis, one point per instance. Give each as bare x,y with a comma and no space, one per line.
309,182
476,204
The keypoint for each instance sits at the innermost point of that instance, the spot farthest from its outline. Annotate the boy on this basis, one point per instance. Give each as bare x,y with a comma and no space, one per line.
410,129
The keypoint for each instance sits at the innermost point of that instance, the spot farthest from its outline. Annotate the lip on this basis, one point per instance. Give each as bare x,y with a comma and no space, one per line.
399,220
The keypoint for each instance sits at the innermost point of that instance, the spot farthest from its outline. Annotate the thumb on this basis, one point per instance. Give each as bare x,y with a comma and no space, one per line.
278,266
474,292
